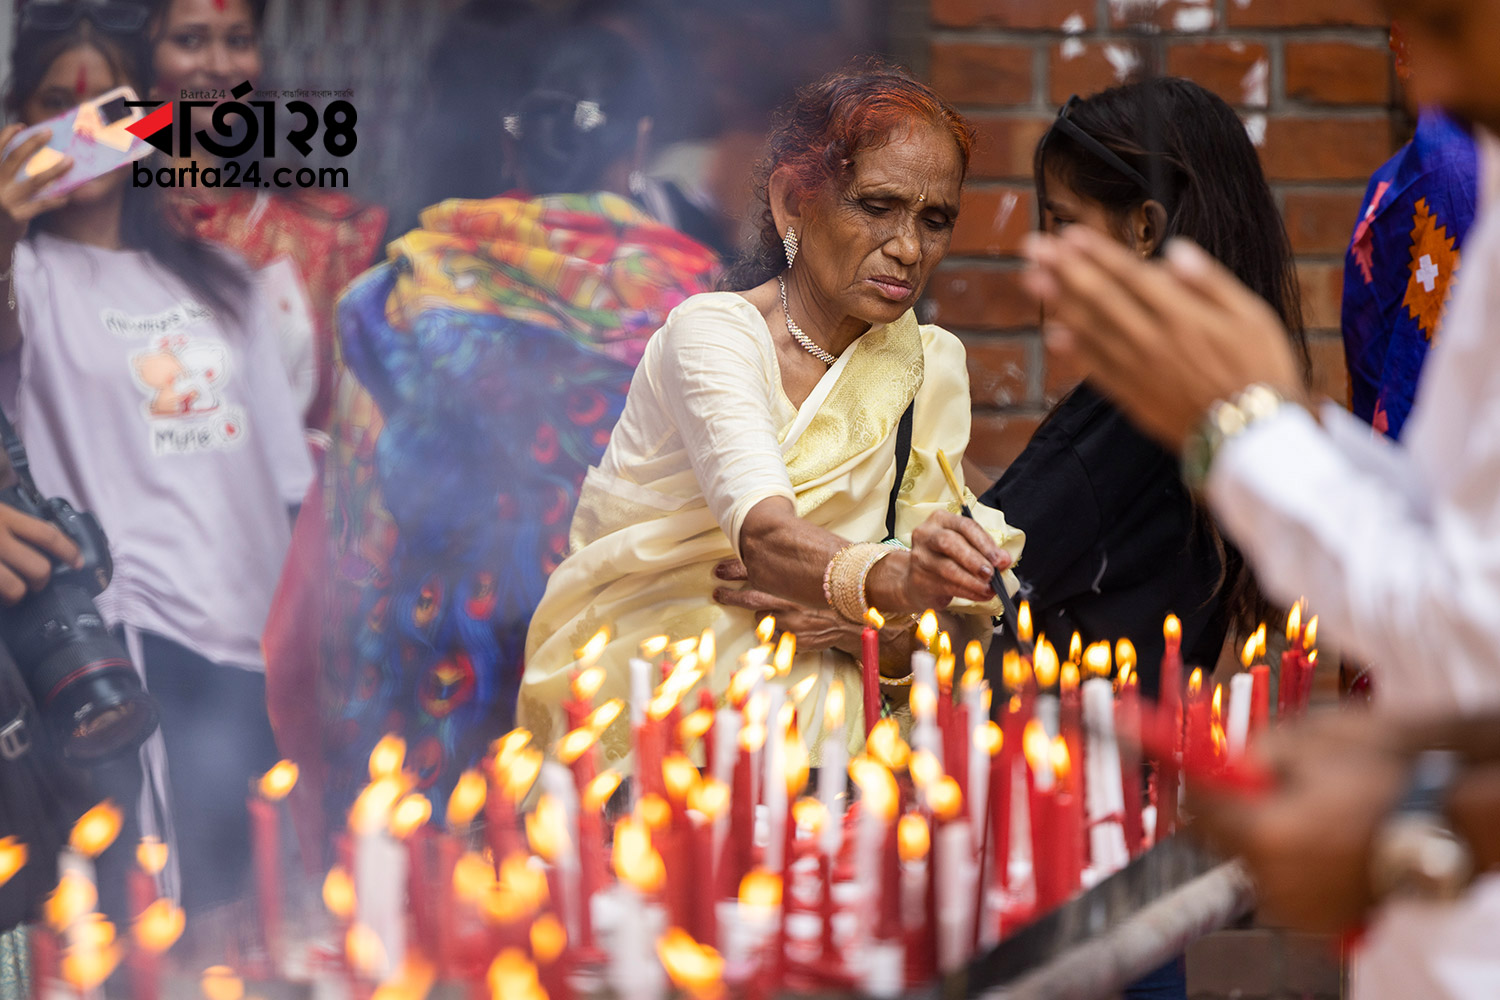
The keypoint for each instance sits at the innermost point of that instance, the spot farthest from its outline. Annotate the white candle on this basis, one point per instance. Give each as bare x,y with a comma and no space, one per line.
1237,732
634,970
380,895
924,729
955,895
979,760
556,780
832,780
640,689
773,782
1106,795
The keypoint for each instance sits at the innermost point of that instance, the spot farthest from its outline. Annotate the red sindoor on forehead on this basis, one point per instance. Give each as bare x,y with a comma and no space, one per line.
219,5
81,83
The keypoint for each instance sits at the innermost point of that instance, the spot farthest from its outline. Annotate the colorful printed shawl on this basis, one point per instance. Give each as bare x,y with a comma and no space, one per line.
1400,266
488,359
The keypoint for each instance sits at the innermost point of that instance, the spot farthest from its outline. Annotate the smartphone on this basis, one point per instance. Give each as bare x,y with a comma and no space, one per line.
93,134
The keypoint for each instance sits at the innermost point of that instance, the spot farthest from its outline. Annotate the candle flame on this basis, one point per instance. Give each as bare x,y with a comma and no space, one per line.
752,736
409,815
1195,682
96,830
87,967
512,976
1310,636
945,798
696,969
220,983
13,855
796,763
364,949
653,810
277,783
1069,677
1062,761
1045,665
913,839
874,619
1127,676
598,792
944,672
548,938
636,862
575,744
886,746
742,683
547,828
1036,745
786,651
989,738
372,808
605,715
798,692
695,725
473,878
923,702
586,683
944,644
467,799
654,647
707,649
760,890
74,896
518,892
925,769
765,630
338,893
1023,621
506,748
682,647
413,981
671,692
1312,659
833,707
159,926
517,780
594,648
1096,659
1075,648
809,814
1260,640
709,797
387,757
1125,655
1218,709
973,664
1247,654
1171,629
877,787
1294,623
679,776
927,628
1013,670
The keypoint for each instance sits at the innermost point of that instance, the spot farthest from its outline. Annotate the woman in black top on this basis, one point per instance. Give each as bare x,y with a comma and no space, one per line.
1114,541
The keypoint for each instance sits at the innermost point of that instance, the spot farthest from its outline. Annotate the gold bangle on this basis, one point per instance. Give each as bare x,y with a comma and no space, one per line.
846,575
897,682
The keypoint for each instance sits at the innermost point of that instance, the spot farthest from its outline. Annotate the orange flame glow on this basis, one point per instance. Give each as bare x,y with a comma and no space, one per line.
511,976
874,618
1062,761
594,648
1247,654
1045,665
469,793
338,893
1023,621
74,896
518,892
927,629
679,776
473,878
636,862
944,671
945,798
13,855
1195,682
1171,628
151,855
364,950
695,725
709,797
786,652
277,783
548,938
522,773
506,748
654,811
913,838
413,981
575,744
87,968
96,830
742,683
1075,648
1218,709
1294,623
387,757
1036,745
372,808
877,787
1310,637
765,630
796,762
925,769
1260,640
707,650
159,926
944,644
654,647
696,969
587,684
547,828
752,736
598,792
605,715
1096,659
760,890
682,647
833,707
923,701
220,983
973,664
809,814
1068,677
799,691
989,738
1013,670
409,815
1125,654
886,745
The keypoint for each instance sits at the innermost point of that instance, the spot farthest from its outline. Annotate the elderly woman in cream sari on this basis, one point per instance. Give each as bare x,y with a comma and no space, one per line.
760,437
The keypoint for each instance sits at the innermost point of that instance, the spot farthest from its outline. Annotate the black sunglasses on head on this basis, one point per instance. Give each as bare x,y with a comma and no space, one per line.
1064,125
116,17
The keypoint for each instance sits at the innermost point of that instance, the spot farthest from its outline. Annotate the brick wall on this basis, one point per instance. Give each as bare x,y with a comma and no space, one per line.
1312,78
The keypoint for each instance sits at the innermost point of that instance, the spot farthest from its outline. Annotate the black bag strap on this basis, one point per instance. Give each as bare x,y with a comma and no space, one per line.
903,454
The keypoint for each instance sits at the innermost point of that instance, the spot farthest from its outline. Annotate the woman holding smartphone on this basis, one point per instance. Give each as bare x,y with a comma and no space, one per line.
138,365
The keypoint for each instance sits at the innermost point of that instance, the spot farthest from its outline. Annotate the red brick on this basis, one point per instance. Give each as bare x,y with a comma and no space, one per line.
1000,370
1005,146
984,298
996,439
1296,13
1236,71
981,74
1302,149
1171,15
1030,14
1330,375
1322,292
993,221
1321,221
1084,68
1059,377
1338,73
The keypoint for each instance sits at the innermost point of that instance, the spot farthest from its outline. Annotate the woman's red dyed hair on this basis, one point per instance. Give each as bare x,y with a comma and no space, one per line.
816,137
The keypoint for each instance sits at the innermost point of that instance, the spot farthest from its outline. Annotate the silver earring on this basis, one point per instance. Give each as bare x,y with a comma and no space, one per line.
789,242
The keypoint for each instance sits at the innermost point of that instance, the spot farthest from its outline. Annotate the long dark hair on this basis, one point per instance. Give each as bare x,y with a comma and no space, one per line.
816,136
144,222
1199,163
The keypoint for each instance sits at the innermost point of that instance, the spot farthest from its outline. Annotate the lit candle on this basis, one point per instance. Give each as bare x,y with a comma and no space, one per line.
1106,796
1128,720
914,846
773,775
514,766
157,924
264,805
1260,697
1237,732
1070,731
708,805
976,786
883,963
952,862
1067,848
1198,748
1170,699
377,938
1045,834
1309,660
739,844
831,773
869,643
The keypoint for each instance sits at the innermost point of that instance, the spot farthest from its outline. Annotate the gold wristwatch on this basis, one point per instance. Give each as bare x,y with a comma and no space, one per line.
1224,420
1415,854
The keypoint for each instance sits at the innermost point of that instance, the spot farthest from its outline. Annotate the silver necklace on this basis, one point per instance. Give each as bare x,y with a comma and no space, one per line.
798,335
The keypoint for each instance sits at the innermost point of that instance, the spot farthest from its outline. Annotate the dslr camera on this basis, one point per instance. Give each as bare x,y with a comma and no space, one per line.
86,690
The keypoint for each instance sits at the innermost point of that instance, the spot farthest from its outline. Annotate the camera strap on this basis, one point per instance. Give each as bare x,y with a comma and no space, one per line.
15,451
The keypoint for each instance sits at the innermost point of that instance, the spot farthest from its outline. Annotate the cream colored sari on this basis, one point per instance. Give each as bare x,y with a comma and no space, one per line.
644,549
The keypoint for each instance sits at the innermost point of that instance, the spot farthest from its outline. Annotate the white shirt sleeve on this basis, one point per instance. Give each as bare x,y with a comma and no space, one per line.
716,379
1403,577
275,417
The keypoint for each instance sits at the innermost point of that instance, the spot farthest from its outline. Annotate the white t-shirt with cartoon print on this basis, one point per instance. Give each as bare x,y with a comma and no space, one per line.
174,425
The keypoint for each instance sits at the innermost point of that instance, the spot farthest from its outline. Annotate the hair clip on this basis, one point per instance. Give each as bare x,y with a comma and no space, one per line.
587,116
513,125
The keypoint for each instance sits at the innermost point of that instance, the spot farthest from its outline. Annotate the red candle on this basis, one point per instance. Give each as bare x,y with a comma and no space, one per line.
1198,752
870,667
1046,859
1068,849
449,848
1128,721
145,963
1260,697
1019,684
706,704
1170,699
739,845
44,961
265,838
1070,726
1309,660
914,836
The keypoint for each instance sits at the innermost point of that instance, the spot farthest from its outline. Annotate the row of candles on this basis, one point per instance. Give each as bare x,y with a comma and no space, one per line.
732,873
